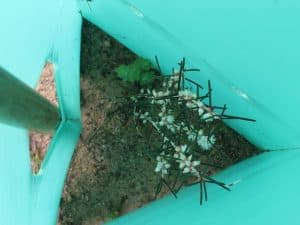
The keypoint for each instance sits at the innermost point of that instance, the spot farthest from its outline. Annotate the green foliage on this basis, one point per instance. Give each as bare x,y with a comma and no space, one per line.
140,71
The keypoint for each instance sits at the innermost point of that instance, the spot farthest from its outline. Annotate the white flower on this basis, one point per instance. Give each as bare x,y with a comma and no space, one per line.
166,120
206,142
145,117
162,165
187,95
160,101
170,119
166,139
171,128
199,104
187,165
179,150
160,94
184,161
191,135
190,104
154,93
217,117
175,77
200,133
208,117
200,111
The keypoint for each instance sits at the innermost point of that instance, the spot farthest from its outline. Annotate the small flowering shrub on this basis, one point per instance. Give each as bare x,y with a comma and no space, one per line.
185,125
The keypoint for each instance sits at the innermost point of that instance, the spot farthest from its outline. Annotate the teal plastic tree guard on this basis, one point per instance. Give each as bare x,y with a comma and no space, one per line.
249,50
33,32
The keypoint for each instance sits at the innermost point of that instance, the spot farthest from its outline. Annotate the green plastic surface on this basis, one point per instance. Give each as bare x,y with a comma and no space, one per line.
33,32
250,52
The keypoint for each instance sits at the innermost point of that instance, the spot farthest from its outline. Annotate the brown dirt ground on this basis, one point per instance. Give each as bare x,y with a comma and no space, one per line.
39,142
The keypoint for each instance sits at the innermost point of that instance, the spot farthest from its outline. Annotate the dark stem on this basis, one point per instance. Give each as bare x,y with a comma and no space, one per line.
209,94
170,189
201,192
229,117
158,66
205,191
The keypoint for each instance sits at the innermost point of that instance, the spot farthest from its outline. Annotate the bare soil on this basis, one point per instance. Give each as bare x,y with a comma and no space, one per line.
39,142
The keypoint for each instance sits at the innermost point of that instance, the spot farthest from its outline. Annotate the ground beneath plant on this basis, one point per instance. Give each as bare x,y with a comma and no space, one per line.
39,141
110,172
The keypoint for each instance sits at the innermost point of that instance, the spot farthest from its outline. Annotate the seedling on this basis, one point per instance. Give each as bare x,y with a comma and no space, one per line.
140,72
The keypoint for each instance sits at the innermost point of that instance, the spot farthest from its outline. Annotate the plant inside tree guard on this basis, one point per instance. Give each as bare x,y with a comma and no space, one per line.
140,71
184,119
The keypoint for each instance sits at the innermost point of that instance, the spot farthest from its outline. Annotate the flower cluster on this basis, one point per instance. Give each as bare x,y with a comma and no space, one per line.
162,165
164,114
183,120
192,102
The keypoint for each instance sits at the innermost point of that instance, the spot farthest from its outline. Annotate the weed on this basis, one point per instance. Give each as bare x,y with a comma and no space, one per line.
140,72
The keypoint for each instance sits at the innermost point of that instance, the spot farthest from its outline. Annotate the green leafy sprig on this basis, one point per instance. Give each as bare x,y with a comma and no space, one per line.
140,71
